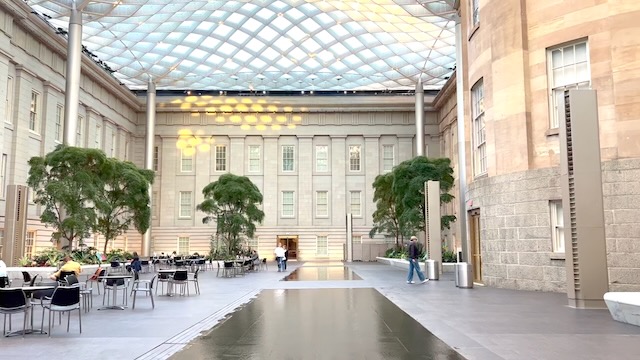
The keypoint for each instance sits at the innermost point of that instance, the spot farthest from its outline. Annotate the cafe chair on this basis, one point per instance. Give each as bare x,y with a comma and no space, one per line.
65,299
180,277
114,285
85,293
194,280
13,301
144,287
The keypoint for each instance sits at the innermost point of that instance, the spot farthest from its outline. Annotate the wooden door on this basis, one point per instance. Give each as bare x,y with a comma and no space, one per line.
476,249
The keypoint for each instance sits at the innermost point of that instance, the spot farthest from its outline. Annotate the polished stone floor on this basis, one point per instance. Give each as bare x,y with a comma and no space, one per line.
479,323
319,272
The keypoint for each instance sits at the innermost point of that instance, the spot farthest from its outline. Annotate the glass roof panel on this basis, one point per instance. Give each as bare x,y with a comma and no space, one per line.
355,45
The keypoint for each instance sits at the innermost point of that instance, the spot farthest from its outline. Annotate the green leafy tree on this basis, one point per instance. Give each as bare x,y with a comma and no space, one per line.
65,182
124,201
399,196
232,202
386,216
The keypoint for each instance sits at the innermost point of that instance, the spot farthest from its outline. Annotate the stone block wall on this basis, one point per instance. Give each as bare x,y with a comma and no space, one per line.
516,229
621,189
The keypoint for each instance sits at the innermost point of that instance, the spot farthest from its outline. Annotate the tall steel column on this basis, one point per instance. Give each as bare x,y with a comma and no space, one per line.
72,88
148,154
462,158
419,118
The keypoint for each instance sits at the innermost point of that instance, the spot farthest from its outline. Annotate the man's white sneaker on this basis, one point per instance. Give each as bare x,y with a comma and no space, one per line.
424,281
411,282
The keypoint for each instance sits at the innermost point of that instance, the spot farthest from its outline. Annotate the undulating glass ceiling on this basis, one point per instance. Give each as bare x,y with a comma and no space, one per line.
267,45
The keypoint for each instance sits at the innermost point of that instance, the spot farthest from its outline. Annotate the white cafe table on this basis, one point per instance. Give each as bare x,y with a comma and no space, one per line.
113,306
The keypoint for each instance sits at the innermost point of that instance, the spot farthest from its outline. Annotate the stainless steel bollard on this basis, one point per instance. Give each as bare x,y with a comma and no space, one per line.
464,275
433,269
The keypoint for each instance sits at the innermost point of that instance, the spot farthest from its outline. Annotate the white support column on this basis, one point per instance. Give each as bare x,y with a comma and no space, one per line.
419,118
462,158
148,155
432,204
72,88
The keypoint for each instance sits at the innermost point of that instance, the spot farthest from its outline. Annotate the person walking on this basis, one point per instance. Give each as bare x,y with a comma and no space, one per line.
279,252
414,254
286,256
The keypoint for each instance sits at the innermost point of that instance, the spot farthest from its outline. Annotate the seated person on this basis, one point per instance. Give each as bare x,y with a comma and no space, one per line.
69,266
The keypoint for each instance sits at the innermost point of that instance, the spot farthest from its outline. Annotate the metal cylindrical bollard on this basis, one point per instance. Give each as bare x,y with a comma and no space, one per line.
433,269
464,275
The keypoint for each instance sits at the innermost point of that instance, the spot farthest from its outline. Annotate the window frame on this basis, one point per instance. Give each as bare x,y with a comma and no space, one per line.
322,168
557,226
34,111
355,164
186,161
386,159
59,123
325,204
30,243
556,92
479,131
324,244
292,204
9,100
156,158
475,13
3,175
98,136
113,143
358,204
220,158
185,208
79,129
179,246
287,159
254,162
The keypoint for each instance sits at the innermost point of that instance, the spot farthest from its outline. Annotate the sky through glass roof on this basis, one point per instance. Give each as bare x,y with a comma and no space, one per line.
267,45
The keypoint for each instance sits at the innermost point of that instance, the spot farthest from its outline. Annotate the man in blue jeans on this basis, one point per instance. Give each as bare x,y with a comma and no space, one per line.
414,254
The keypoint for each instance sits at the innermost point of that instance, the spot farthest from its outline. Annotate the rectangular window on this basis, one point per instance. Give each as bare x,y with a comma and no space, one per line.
126,150
113,144
154,205
156,157
357,239
221,158
33,112
98,136
254,158
322,158
59,120
29,243
355,203
354,157
479,137
3,175
9,101
253,243
183,245
387,158
1,241
79,131
568,69
287,158
322,246
287,204
322,203
186,160
185,205
557,225
475,12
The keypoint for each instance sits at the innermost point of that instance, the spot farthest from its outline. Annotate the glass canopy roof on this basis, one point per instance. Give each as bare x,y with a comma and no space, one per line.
258,45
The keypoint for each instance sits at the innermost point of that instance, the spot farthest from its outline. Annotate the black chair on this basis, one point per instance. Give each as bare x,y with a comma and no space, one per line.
85,293
196,284
41,298
180,277
33,280
147,289
26,278
264,264
63,276
163,277
65,299
4,282
13,301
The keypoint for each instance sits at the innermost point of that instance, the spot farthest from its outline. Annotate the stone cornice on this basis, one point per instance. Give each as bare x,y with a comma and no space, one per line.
448,89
